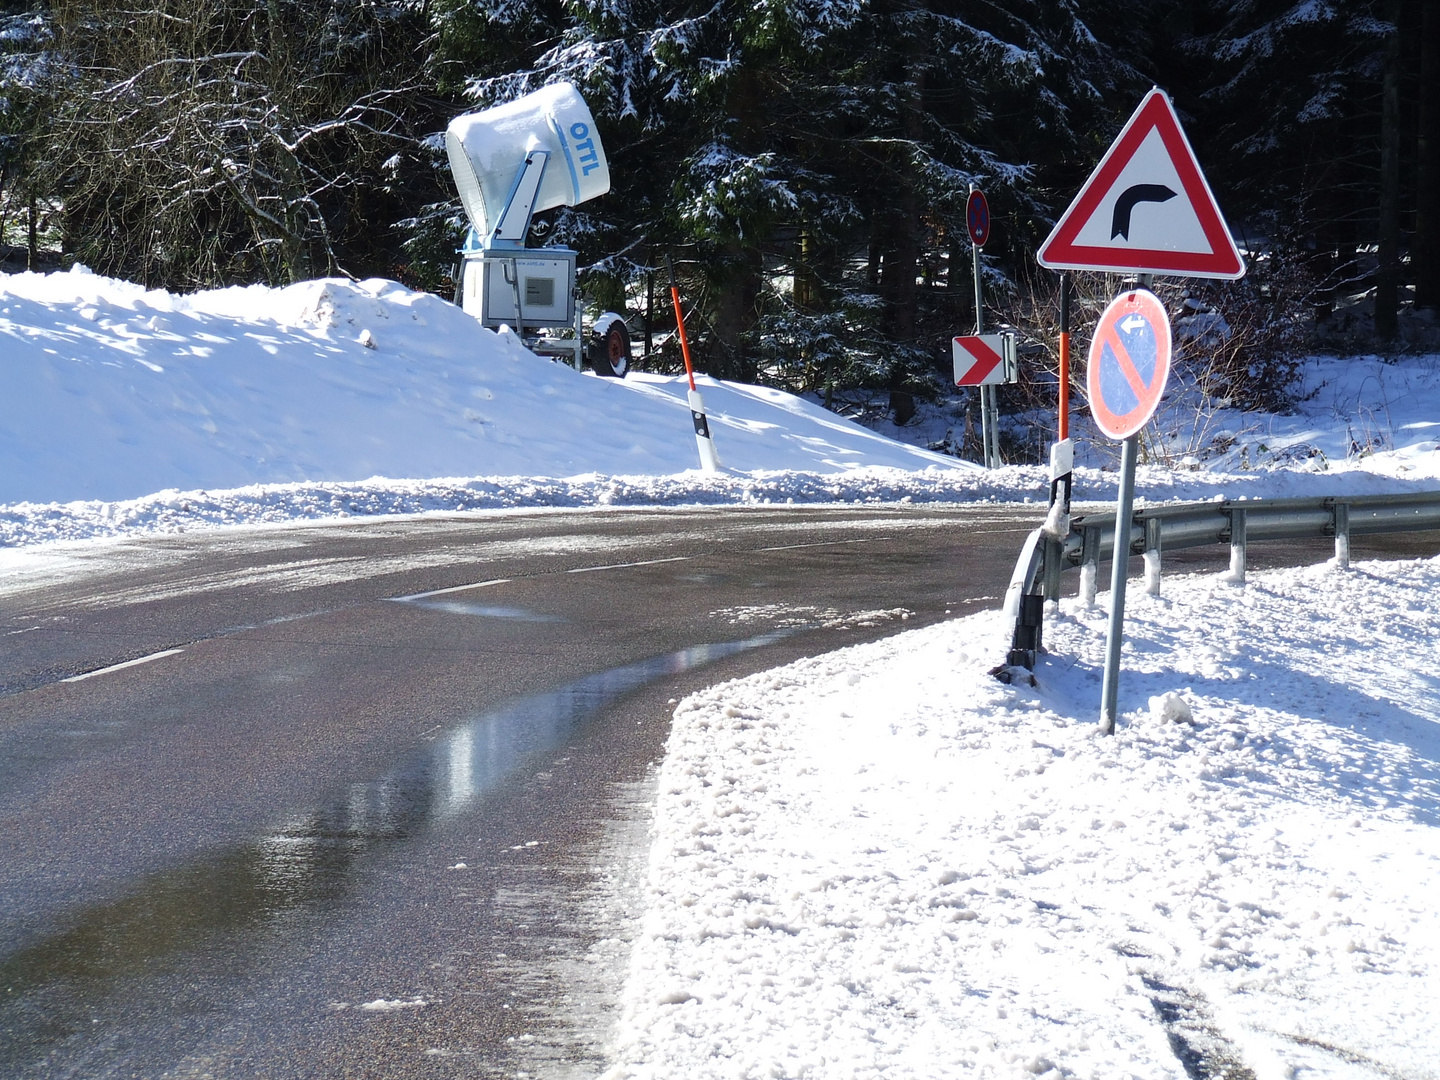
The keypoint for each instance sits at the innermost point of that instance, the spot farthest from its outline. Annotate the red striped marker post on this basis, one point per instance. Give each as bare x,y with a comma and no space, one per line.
704,441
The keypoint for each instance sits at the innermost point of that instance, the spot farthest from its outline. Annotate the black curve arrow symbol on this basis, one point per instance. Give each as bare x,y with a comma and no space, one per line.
1120,223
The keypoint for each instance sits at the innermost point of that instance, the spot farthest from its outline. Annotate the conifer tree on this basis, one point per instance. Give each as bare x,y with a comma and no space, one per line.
1301,106
30,79
809,160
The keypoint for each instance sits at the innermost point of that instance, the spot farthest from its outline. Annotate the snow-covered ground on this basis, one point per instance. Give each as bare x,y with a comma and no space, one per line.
885,863
131,411
116,392
1354,414
880,862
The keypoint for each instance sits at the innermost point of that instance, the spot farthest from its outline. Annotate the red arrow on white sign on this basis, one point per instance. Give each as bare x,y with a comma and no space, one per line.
980,360
1146,208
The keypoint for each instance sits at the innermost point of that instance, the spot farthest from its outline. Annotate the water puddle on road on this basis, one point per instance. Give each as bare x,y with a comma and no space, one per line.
485,611
53,989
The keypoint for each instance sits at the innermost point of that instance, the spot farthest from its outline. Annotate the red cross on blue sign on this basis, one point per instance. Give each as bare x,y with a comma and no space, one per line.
977,218
1129,363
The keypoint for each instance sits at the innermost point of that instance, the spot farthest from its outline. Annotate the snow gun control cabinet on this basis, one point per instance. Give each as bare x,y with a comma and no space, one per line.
511,162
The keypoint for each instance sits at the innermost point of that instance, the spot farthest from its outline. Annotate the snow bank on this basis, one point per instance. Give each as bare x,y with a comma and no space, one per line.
1366,414
115,392
178,511
882,862
1355,417
131,411
174,511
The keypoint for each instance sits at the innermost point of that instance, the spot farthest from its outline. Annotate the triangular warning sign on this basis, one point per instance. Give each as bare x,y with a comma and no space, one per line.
1146,208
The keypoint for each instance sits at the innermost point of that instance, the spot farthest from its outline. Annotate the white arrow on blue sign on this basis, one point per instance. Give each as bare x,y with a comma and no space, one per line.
1129,363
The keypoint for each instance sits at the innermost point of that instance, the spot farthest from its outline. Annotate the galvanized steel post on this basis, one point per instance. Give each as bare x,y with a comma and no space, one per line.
1342,535
1120,557
1152,556
1089,564
1237,546
985,419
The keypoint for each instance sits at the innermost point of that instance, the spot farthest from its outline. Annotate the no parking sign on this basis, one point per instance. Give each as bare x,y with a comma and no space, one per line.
977,218
1129,363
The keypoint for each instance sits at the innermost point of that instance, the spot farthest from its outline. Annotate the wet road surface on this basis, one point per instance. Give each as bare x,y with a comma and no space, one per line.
370,800
354,801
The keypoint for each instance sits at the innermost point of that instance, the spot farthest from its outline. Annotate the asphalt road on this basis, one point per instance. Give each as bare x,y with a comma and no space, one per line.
369,800
214,859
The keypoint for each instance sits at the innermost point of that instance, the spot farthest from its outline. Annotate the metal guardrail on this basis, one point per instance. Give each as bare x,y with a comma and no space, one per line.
1091,537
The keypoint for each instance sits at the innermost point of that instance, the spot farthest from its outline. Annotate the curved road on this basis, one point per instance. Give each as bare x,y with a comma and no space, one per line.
368,800
213,859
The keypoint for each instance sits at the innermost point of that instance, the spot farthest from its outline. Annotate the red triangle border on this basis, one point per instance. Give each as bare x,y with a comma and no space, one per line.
1060,252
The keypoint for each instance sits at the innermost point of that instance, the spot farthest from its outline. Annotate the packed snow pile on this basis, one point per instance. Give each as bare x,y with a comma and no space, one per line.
115,392
133,411
884,862
1354,417
174,511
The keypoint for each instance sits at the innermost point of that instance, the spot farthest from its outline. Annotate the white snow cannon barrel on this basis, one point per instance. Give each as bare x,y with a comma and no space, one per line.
488,151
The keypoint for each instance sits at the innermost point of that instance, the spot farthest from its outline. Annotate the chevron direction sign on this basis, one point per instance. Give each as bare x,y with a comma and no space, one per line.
1146,208
984,359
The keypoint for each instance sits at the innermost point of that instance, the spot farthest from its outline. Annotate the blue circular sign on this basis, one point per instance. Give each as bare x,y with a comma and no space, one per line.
977,218
1129,363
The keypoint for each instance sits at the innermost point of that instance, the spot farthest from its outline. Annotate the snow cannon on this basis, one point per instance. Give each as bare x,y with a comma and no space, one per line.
510,162
531,154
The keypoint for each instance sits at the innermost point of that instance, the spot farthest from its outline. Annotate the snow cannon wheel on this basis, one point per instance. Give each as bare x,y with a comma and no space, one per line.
609,348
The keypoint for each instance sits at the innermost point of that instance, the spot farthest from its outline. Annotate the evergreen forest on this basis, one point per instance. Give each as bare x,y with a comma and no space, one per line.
805,163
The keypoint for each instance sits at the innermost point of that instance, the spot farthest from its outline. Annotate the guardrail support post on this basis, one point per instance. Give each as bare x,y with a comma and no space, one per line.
1237,546
1052,570
1152,556
1034,581
1029,632
1089,564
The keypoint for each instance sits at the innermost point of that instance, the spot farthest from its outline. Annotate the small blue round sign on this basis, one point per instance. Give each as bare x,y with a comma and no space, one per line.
977,218
1129,363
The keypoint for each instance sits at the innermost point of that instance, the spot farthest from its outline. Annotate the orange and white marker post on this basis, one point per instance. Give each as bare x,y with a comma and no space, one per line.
1062,451
704,441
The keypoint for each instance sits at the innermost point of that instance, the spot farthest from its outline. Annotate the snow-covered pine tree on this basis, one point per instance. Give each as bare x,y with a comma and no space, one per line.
28,81
952,95
808,160
1290,96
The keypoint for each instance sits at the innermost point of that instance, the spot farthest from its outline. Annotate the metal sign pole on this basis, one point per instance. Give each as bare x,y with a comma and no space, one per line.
977,224
1132,344
1119,564
980,329
994,448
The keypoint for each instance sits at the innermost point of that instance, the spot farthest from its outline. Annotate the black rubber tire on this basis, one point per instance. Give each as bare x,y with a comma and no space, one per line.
609,353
